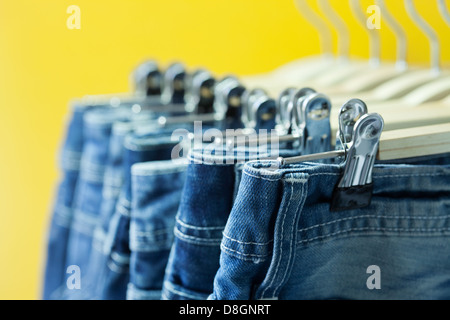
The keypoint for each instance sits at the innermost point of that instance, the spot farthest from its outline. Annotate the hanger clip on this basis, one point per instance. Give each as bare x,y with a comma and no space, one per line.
147,78
354,190
174,84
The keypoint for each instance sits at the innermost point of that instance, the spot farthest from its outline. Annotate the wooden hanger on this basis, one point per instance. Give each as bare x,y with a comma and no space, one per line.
428,82
302,69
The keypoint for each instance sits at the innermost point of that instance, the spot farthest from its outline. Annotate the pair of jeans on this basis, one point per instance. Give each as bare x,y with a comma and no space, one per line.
282,241
113,181
69,163
156,190
114,275
97,128
212,181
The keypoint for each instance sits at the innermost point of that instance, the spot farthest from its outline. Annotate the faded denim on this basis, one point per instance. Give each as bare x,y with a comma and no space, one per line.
282,242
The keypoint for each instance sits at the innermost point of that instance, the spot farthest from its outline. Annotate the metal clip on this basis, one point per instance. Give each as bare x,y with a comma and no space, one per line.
199,95
354,190
282,119
287,108
311,121
147,79
174,84
259,110
228,102
248,99
349,113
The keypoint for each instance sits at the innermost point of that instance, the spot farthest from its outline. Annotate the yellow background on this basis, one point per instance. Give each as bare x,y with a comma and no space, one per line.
43,65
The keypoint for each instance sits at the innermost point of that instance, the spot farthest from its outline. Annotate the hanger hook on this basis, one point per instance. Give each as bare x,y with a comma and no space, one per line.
444,11
340,26
429,32
374,36
399,32
325,35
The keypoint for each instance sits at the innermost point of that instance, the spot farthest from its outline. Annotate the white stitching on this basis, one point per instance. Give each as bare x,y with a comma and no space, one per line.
224,247
170,287
251,243
259,177
375,229
197,240
281,245
373,216
184,224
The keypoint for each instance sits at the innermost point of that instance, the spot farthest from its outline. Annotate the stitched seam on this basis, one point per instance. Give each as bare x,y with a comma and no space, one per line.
373,216
281,247
196,240
238,254
184,224
250,243
114,268
120,258
292,240
152,233
423,230
141,247
170,288
123,211
259,177
124,202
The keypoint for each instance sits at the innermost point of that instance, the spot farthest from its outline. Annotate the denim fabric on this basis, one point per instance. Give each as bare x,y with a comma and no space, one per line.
112,185
282,242
211,185
156,189
114,279
97,126
69,162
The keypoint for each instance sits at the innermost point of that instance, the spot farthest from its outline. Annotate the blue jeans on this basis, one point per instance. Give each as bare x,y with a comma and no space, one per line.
113,181
55,266
208,195
282,242
97,127
156,189
114,275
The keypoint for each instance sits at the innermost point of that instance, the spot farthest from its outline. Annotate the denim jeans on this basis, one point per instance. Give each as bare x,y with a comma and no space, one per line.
69,162
207,198
97,127
282,242
156,189
114,276
112,184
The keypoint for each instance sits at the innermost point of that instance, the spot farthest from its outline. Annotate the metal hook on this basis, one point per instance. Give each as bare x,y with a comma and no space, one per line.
429,32
400,35
341,28
325,34
374,36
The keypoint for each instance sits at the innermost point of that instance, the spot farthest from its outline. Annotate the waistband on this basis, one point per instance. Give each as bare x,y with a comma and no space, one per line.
387,178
